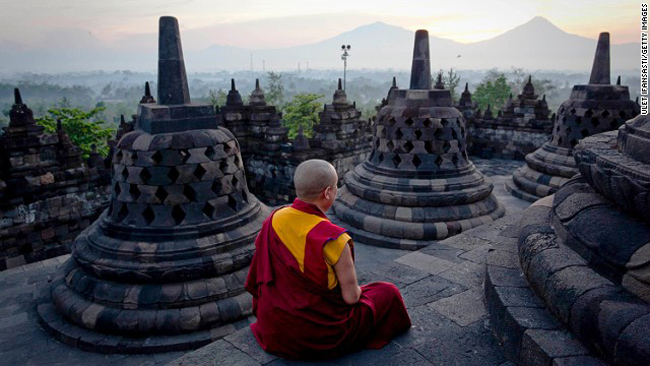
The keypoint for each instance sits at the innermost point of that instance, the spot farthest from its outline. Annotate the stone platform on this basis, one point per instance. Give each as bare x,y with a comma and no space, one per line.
528,333
441,287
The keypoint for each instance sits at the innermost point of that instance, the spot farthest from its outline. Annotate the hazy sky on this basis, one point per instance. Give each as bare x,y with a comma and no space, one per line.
278,23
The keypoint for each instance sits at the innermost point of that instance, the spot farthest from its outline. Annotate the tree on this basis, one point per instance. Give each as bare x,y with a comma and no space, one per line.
492,92
218,98
274,95
302,110
85,128
451,81
106,91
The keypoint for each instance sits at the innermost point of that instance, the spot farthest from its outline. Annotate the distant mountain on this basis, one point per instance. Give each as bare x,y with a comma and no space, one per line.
535,45
539,44
377,45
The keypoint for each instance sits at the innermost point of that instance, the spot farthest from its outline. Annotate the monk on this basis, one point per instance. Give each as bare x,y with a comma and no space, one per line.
305,292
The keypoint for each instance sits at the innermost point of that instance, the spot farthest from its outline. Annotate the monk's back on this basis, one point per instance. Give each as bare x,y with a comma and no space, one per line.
303,295
299,231
306,296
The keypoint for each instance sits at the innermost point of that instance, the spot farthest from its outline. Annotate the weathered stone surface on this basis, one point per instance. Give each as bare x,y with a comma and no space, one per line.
47,195
421,67
540,347
576,263
577,361
600,68
428,290
270,159
521,127
633,346
511,315
172,80
464,308
617,166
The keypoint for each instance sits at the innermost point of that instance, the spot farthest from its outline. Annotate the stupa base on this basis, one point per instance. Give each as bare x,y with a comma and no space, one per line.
73,335
432,232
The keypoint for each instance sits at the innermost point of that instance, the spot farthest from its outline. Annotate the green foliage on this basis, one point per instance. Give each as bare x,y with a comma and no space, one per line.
451,80
218,98
274,95
493,92
85,128
302,110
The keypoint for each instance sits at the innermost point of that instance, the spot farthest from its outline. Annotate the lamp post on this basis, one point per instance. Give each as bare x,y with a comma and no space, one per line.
344,57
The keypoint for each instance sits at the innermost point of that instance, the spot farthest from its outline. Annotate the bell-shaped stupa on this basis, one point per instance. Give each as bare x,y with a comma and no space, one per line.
593,108
418,185
164,267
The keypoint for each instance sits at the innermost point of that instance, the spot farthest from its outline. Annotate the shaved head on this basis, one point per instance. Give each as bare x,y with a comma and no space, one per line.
312,177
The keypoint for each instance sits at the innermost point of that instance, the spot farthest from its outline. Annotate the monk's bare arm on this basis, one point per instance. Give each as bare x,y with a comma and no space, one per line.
347,277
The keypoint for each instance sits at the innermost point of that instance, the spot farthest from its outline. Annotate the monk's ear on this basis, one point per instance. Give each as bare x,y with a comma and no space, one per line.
327,192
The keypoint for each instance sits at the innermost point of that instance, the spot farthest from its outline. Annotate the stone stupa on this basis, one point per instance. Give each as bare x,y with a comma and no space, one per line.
418,185
342,133
164,267
593,108
466,106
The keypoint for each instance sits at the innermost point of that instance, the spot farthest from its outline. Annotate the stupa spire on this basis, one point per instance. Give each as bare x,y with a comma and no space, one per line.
233,97
257,96
147,89
600,69
340,97
439,83
17,98
172,79
147,98
421,66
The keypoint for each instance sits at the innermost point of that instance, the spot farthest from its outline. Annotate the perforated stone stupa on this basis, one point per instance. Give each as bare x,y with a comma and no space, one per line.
591,109
164,267
522,127
47,195
418,185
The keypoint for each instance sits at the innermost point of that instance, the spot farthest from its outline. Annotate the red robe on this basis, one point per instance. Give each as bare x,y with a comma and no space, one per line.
299,317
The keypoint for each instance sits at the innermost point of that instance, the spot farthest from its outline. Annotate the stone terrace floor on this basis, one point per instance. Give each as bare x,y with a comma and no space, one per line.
441,285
